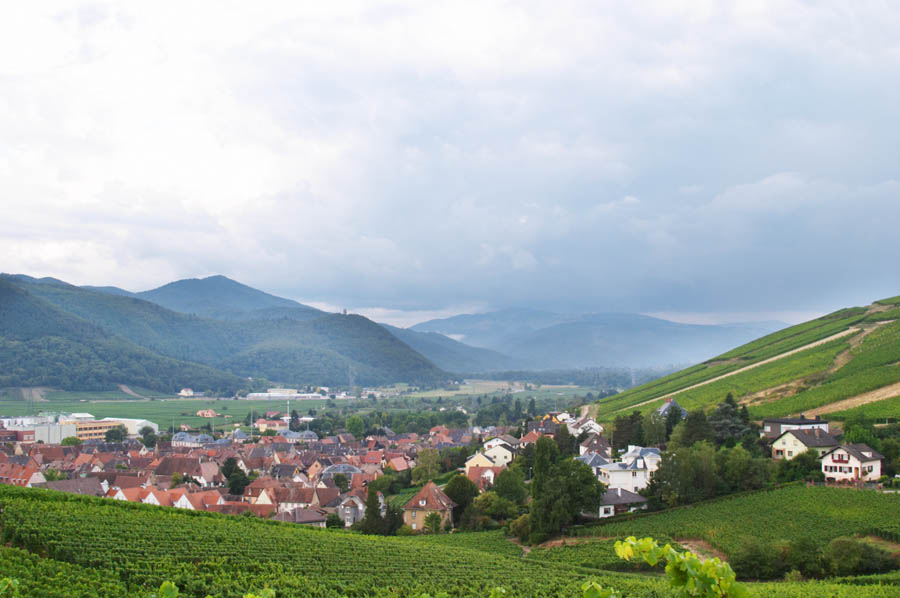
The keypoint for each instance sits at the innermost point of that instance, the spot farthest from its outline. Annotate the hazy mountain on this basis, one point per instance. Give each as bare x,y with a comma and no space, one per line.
221,297
452,355
40,345
544,340
328,349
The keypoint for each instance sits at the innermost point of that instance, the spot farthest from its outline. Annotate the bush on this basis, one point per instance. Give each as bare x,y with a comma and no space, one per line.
758,560
851,556
405,530
521,527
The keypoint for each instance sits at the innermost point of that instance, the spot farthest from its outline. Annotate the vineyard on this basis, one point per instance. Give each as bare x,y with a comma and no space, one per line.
817,513
66,545
854,351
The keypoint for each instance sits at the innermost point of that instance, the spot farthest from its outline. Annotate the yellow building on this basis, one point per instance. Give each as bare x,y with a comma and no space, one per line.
795,442
428,500
93,429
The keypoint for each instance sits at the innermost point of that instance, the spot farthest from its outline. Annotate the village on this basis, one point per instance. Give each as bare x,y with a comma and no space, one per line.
295,476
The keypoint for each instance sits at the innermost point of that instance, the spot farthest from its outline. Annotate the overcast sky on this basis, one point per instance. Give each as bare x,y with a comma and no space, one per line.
703,160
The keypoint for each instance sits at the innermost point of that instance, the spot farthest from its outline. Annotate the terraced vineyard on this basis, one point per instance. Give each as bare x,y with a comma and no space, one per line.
804,367
792,512
66,545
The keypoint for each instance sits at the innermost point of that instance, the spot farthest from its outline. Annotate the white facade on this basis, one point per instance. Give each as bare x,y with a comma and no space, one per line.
500,454
632,476
844,464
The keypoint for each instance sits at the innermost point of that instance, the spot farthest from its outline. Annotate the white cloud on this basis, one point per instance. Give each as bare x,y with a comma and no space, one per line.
415,155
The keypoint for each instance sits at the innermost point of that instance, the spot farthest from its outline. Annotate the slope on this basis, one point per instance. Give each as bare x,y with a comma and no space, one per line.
42,346
799,369
329,349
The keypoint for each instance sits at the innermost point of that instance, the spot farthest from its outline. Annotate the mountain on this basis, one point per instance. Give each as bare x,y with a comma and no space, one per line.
225,299
452,355
40,345
329,349
843,364
221,297
545,340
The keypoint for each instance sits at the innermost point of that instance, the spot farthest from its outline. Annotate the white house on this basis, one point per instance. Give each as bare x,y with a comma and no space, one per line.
616,501
501,454
651,456
631,476
851,463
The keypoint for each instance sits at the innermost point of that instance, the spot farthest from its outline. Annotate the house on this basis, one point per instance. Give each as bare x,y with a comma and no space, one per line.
671,404
594,461
87,486
650,455
478,460
483,477
851,463
632,476
596,444
207,413
502,439
312,517
185,392
530,438
585,425
501,454
775,427
430,499
795,442
617,500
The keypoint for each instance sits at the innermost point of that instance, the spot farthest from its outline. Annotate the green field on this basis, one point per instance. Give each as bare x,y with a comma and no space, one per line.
66,545
886,410
817,513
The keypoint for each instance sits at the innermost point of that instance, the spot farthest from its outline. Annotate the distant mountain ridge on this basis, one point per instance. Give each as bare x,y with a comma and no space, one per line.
546,340
327,349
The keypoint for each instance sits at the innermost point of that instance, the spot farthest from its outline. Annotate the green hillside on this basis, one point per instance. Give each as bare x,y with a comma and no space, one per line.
324,350
813,368
67,545
42,346
790,513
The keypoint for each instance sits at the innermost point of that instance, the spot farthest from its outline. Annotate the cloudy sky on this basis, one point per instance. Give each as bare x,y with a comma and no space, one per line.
703,160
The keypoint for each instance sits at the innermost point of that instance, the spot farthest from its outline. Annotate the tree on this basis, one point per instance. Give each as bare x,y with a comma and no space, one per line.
148,437
495,507
428,467
229,467
340,480
532,408
673,417
333,521
433,523
695,428
294,425
372,523
655,429
176,479
237,482
805,466
510,484
565,442
727,424
570,489
71,441
462,491
117,434
356,426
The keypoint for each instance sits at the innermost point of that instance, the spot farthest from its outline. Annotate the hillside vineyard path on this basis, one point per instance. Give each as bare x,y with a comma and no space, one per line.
821,341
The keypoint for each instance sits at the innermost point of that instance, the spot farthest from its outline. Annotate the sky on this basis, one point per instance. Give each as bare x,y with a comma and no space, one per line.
705,161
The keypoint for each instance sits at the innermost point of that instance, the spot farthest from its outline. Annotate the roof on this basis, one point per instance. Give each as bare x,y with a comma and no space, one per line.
858,450
670,404
430,498
302,516
794,420
592,459
812,438
618,496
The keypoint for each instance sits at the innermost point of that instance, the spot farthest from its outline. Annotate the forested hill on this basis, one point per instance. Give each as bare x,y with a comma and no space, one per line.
328,350
40,345
222,298
842,364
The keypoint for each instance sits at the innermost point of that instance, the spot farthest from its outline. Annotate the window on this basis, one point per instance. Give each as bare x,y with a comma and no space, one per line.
414,516
414,526
790,453
422,503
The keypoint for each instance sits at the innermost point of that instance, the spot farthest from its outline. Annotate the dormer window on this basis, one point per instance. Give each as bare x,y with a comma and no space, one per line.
422,503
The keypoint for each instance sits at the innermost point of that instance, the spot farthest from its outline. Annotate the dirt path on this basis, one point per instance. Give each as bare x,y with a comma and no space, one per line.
128,391
879,394
827,339
701,548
